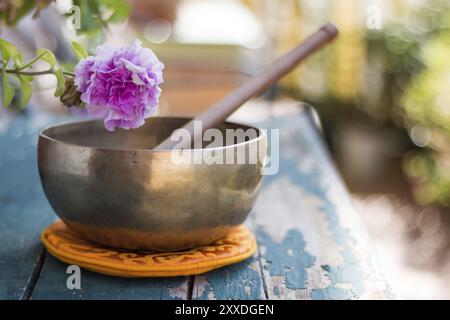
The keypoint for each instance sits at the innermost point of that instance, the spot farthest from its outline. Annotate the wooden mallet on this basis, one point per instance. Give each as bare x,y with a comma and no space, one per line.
255,86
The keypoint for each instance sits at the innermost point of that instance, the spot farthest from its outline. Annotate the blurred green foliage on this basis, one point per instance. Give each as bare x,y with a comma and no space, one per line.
427,105
16,75
96,15
395,78
415,54
11,11
427,98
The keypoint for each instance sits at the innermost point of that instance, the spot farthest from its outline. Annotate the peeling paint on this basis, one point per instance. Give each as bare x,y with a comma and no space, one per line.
239,281
347,277
278,263
276,291
348,272
177,290
316,252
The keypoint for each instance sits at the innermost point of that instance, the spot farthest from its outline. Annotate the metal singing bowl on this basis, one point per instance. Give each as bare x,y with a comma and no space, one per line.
113,189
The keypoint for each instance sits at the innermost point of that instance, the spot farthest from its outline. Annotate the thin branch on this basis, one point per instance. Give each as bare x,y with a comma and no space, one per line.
31,62
29,73
37,73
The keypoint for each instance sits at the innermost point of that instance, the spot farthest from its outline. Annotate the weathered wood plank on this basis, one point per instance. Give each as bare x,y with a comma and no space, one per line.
52,284
312,245
239,281
24,211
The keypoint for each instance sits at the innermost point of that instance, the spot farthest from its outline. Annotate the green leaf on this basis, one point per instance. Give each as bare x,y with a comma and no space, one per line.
67,65
91,24
8,91
120,10
48,56
18,60
26,91
8,50
79,50
60,82
27,77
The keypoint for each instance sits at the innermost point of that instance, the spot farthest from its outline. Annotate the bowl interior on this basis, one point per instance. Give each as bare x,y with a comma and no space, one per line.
155,130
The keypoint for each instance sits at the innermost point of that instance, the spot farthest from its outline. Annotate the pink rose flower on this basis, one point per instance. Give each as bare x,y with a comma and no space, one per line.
121,85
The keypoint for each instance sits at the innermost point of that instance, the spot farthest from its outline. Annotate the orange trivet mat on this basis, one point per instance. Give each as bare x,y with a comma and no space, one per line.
69,248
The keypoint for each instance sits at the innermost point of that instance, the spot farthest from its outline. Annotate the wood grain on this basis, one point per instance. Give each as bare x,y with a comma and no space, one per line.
255,86
53,278
312,245
310,242
239,281
24,209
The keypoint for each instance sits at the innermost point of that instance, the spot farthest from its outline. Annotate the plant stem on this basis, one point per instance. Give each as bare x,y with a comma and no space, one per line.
31,62
29,73
36,73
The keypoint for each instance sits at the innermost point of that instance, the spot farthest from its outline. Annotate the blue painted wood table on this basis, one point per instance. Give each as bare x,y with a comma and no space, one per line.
310,242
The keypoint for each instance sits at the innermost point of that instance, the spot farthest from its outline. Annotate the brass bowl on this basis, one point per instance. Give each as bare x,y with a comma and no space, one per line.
113,189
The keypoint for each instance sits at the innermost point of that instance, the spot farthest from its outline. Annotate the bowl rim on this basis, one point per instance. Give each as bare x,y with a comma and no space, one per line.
42,135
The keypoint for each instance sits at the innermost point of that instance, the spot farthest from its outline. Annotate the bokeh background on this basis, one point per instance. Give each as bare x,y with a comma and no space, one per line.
382,91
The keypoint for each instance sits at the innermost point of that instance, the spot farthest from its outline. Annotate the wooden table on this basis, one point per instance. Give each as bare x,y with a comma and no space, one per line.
310,242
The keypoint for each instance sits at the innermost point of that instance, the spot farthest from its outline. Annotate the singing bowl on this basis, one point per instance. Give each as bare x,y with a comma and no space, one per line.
111,188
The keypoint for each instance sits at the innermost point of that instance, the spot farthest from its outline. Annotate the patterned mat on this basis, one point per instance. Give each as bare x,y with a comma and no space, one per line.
69,248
